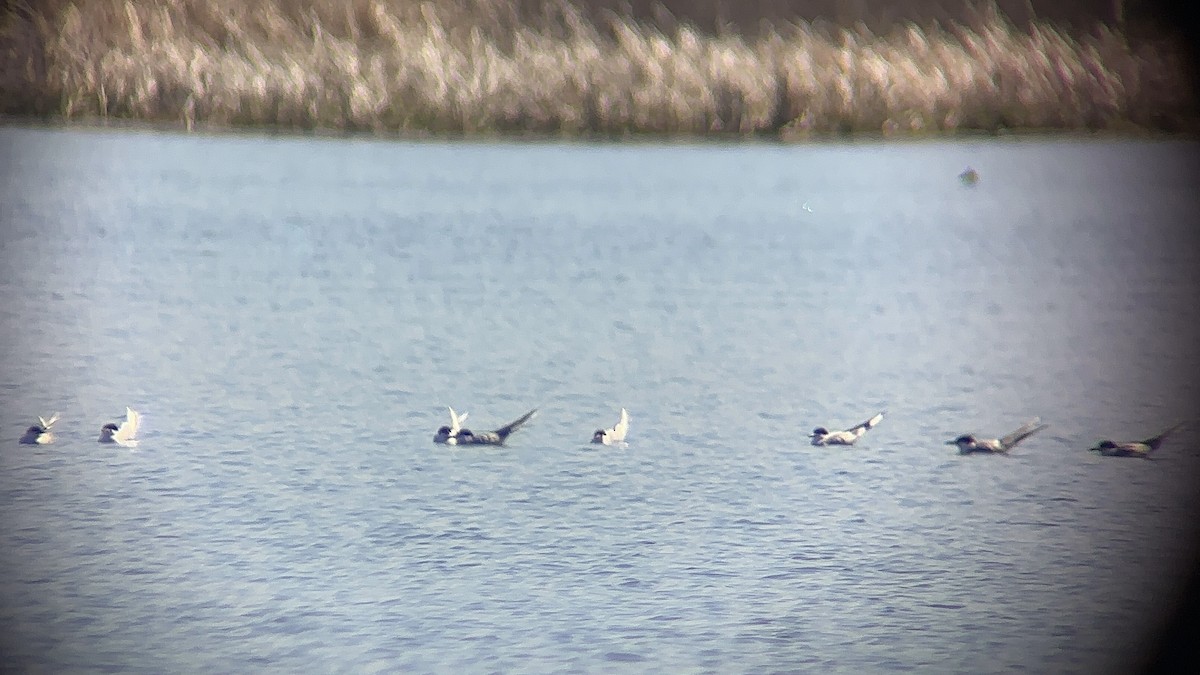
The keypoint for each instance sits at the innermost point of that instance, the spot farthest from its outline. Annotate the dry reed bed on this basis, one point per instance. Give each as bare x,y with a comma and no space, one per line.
409,67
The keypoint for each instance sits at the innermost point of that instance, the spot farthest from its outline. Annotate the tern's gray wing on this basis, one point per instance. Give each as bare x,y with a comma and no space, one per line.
868,424
1155,441
504,431
1031,427
497,437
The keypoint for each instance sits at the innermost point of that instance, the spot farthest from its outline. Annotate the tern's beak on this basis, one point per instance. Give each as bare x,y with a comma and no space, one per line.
951,442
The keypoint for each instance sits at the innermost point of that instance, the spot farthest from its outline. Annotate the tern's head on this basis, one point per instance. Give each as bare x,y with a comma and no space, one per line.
107,431
1105,445
35,429
819,431
965,439
463,437
598,437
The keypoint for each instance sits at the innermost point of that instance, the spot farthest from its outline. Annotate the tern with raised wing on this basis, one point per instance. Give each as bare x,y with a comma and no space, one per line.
464,436
614,434
40,434
970,443
822,436
1133,448
124,435
445,433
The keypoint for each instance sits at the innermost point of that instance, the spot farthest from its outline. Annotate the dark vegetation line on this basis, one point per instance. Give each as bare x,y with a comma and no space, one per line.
605,67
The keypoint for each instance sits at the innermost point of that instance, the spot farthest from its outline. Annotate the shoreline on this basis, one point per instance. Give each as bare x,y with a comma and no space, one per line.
286,68
648,138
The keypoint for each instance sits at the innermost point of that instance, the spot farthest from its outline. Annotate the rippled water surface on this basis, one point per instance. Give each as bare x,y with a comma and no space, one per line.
292,317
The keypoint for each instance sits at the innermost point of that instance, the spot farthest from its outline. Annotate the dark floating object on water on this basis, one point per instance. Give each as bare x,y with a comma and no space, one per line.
463,436
969,176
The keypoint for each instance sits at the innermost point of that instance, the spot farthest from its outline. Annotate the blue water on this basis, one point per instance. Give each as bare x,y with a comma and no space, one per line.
293,315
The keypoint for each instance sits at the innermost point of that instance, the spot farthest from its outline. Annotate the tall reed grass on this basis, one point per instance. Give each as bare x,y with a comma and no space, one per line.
487,67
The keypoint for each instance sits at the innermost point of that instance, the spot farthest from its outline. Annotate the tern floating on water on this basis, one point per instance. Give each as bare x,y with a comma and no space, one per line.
969,443
444,434
462,436
1133,448
822,436
39,434
614,434
124,435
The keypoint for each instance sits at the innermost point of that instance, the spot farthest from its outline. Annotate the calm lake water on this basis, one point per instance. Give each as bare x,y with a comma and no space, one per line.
293,315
